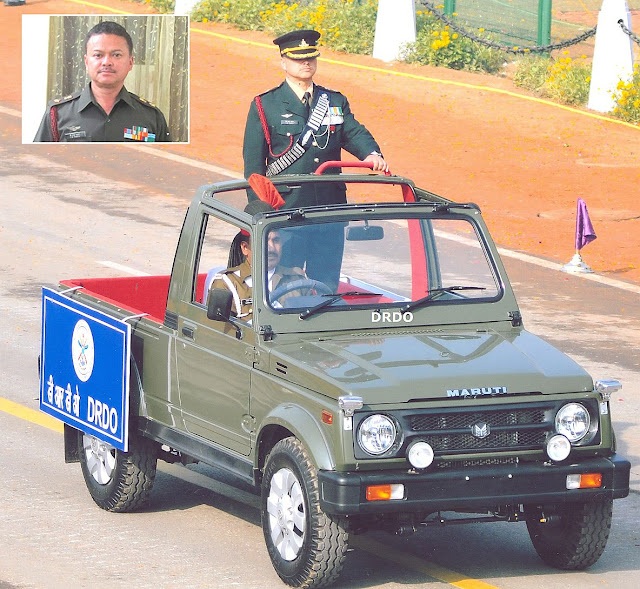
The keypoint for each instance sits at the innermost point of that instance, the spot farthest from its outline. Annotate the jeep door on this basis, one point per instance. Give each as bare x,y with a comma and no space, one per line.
213,358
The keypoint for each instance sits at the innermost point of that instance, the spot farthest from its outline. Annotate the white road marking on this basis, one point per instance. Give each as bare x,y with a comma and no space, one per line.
122,268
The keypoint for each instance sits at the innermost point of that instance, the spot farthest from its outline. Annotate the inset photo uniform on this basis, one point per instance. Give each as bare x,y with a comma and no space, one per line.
80,118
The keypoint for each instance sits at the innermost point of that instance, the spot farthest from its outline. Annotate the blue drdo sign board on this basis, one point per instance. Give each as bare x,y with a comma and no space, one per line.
84,371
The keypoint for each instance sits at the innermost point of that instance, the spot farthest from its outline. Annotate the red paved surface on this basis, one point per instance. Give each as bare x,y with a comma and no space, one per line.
524,162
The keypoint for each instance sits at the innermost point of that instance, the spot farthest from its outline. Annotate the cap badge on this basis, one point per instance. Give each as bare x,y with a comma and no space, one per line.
303,43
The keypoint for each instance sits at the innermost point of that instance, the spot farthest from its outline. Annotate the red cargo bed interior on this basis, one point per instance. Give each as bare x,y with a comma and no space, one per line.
138,294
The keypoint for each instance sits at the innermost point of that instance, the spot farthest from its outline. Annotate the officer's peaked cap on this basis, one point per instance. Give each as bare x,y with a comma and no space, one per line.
300,44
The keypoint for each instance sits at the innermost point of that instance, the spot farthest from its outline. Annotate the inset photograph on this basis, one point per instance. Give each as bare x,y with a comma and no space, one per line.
105,78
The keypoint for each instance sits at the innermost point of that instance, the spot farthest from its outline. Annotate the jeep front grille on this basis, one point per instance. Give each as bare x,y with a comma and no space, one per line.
494,441
464,420
452,431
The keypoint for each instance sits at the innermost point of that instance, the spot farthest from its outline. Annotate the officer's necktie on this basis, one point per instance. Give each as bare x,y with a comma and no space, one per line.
306,99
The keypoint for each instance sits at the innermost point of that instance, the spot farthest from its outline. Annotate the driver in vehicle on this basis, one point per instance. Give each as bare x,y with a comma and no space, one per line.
277,274
237,278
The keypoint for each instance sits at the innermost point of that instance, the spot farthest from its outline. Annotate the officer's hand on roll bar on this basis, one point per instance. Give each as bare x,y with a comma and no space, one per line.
355,164
379,165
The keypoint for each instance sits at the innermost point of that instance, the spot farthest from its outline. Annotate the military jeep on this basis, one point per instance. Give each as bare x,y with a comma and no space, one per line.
391,388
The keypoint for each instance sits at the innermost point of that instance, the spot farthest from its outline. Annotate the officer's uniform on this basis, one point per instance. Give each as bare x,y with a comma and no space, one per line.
78,117
286,117
282,276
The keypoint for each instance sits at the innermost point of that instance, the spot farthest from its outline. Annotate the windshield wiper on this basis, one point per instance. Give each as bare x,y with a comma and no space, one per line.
333,298
435,293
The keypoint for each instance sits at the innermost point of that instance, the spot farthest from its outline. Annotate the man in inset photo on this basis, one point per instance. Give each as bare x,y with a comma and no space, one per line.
104,110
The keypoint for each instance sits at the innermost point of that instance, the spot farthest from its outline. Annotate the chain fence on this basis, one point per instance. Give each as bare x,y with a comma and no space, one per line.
518,49
633,37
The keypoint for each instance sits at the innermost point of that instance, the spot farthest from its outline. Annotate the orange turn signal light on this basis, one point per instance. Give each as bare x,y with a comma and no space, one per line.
327,417
385,492
591,480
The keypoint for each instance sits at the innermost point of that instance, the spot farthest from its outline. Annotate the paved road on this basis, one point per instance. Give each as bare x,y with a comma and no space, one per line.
70,211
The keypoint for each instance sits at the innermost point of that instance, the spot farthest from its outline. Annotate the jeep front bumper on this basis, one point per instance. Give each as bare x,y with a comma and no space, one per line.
345,493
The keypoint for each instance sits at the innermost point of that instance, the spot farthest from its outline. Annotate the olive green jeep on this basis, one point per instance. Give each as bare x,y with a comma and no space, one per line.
387,383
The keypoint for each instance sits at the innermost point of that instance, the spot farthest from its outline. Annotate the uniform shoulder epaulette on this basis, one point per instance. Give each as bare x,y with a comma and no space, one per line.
64,99
143,100
271,90
329,90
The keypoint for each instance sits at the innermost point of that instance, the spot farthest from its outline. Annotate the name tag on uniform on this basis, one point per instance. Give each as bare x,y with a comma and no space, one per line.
72,135
288,122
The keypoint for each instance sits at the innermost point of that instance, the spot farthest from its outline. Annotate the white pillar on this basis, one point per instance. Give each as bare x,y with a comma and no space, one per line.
395,26
35,60
612,56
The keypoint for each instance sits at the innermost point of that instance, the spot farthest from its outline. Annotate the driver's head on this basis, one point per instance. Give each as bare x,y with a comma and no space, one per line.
274,249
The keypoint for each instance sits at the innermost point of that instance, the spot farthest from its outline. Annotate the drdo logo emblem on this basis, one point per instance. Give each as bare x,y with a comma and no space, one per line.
82,350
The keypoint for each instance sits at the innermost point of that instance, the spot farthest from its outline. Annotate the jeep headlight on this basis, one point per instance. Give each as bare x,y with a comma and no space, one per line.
573,421
376,434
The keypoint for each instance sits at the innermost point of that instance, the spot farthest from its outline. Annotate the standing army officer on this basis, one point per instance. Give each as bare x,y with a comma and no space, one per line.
293,129
104,110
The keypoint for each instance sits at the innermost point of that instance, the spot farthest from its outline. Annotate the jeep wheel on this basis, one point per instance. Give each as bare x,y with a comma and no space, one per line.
307,546
118,481
570,536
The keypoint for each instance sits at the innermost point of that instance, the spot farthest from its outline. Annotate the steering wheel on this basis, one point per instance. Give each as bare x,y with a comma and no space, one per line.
302,284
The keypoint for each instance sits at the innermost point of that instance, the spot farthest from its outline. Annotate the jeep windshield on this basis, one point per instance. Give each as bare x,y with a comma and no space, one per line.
383,262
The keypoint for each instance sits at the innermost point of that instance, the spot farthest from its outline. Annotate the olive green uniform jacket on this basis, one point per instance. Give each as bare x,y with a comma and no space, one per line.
80,118
286,118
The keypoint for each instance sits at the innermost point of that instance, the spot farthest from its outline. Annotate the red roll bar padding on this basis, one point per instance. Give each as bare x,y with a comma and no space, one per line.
340,164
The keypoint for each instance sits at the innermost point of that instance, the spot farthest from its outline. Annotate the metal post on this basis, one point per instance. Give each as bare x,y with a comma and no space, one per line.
449,7
544,22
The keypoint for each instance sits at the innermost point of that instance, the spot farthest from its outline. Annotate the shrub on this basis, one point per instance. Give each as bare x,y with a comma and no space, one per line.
164,6
628,98
531,72
568,80
245,14
564,80
345,25
437,45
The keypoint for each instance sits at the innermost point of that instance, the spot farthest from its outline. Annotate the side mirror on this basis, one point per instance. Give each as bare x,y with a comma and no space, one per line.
219,304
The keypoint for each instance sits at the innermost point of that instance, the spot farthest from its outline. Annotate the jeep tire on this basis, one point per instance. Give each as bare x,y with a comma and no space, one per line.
307,546
570,536
118,481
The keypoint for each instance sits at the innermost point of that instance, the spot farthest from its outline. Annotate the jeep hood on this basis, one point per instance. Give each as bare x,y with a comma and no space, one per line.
390,368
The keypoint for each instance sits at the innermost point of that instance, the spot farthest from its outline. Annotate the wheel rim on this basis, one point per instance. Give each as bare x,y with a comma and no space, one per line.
286,513
100,458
